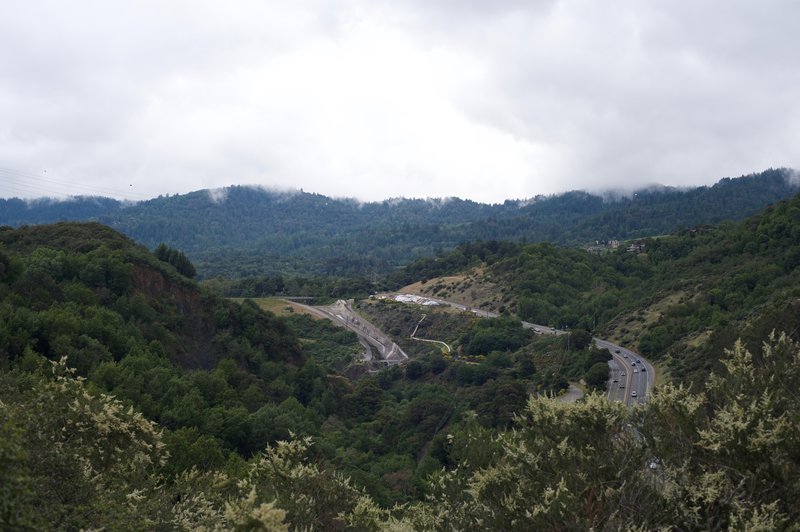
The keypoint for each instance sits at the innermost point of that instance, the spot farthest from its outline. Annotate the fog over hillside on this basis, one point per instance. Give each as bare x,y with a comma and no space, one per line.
244,230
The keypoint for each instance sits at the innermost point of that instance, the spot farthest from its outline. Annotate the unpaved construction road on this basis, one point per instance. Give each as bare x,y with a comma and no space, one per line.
385,350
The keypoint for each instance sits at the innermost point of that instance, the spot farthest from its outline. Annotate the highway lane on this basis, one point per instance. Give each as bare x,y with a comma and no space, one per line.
640,376
617,385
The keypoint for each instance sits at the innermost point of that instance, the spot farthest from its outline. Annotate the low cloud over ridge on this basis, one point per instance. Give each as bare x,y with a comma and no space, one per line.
372,100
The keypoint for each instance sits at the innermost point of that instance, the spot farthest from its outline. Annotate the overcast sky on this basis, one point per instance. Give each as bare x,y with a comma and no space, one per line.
480,99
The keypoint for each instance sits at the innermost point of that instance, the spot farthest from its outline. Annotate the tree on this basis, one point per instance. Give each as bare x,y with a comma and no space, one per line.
76,456
415,369
597,375
563,463
579,339
730,457
176,258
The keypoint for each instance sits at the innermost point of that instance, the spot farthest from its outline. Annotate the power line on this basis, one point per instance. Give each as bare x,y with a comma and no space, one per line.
41,185
45,185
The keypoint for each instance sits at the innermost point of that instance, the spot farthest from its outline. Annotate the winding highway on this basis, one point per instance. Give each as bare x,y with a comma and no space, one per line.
631,377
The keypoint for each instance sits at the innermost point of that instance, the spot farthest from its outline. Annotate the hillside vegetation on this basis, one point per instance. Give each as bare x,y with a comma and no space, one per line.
726,458
220,380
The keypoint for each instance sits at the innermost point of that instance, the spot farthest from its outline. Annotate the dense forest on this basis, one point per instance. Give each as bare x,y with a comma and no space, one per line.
133,398
243,232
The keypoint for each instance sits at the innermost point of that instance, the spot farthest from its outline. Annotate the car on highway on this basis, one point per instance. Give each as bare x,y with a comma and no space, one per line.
636,371
633,393
644,368
616,350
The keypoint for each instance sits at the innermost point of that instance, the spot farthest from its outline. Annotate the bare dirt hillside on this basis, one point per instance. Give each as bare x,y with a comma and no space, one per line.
475,288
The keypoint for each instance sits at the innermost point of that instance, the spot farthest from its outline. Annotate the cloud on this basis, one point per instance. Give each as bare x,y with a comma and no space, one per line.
218,195
482,100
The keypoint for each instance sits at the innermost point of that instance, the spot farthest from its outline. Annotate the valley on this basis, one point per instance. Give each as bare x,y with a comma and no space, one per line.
400,266
426,393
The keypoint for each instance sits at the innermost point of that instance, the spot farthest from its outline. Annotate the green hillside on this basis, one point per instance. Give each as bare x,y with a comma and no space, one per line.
216,381
88,281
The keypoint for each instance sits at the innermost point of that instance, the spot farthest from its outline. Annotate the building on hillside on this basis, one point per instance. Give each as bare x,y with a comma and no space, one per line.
636,247
601,246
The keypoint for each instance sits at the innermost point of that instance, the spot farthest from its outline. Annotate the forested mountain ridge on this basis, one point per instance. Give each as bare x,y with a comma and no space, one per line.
241,231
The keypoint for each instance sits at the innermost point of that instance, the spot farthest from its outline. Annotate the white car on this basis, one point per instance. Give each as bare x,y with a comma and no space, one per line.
636,371
633,393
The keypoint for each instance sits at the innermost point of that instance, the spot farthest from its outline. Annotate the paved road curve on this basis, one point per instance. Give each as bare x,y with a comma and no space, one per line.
370,336
630,370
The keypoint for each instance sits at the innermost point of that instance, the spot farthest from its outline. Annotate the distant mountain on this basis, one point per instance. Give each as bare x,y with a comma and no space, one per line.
16,212
243,231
